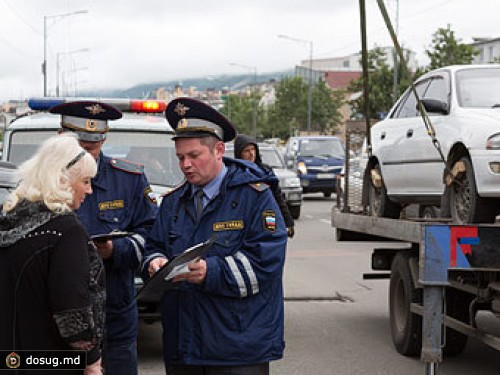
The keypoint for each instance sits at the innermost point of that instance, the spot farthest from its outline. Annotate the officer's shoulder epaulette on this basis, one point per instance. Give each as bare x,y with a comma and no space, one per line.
174,189
127,166
259,186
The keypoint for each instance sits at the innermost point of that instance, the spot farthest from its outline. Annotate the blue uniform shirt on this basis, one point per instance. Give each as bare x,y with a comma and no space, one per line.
121,199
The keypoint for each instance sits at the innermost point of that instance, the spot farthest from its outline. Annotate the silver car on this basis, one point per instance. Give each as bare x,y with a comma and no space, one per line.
289,182
463,104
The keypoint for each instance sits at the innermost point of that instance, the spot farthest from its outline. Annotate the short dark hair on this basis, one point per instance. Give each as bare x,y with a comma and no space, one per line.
210,142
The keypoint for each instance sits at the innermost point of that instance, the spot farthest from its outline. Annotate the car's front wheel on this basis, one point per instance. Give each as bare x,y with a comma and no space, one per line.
466,206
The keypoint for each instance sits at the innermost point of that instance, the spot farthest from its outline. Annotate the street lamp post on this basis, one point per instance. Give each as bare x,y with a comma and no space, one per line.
59,54
44,64
254,101
309,92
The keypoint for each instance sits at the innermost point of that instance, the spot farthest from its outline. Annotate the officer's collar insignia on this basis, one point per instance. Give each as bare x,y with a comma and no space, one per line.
183,123
181,109
95,109
269,220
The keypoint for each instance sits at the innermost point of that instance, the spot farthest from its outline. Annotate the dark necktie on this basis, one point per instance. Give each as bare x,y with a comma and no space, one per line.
198,203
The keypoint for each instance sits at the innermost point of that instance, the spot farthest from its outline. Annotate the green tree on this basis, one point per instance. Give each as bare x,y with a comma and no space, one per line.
446,49
289,112
326,116
239,109
290,108
381,85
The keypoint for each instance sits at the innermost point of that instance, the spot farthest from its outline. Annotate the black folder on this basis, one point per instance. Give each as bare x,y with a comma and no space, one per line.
161,281
109,236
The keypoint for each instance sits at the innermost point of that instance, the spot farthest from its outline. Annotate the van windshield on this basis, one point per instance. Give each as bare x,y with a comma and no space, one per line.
155,150
321,147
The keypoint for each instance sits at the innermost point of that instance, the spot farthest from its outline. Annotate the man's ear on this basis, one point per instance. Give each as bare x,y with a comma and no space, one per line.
220,147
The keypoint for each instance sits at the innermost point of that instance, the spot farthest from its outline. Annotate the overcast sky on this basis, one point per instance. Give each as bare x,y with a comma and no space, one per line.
123,43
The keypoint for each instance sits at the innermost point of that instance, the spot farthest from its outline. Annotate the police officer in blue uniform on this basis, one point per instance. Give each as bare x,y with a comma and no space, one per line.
225,315
122,200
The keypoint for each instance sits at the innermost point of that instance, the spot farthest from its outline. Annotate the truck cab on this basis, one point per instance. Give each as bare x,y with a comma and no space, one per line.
317,160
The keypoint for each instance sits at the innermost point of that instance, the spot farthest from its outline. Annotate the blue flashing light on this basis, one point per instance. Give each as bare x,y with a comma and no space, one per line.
43,104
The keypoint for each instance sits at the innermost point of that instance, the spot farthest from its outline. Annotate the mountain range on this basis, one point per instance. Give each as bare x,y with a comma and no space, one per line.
217,82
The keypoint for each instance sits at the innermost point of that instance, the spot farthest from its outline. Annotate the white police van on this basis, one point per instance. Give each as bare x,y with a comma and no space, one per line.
142,135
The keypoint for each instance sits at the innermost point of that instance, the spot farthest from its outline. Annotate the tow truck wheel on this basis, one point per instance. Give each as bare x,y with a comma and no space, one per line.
406,327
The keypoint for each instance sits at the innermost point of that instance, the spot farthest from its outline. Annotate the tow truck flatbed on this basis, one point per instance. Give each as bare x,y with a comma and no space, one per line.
441,276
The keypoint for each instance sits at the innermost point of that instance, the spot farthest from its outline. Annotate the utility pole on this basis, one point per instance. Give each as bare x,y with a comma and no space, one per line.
395,56
44,64
309,92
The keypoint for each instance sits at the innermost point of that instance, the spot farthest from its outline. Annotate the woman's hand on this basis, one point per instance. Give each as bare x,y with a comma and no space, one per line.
94,368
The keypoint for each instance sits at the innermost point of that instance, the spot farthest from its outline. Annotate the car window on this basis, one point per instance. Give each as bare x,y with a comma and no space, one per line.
408,106
437,89
478,88
321,147
271,157
155,150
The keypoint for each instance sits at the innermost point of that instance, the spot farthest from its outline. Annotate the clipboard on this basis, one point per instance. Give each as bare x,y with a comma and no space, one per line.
109,236
161,281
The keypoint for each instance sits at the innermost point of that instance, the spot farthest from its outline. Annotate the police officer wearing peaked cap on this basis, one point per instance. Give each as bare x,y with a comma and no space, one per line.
224,316
121,200
88,119
192,118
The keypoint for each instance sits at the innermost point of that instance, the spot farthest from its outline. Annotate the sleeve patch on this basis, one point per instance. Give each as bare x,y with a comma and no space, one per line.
259,186
127,166
269,220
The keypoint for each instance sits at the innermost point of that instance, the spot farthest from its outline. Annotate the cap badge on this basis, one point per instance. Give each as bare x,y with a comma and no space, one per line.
95,109
183,123
90,125
181,109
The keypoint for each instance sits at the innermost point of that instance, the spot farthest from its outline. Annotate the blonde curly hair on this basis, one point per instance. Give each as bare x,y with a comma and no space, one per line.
48,175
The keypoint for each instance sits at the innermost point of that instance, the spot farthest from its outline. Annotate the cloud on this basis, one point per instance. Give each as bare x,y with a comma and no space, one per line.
131,42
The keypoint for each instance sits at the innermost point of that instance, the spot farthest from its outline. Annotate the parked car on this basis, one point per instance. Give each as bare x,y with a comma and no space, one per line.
289,182
317,160
463,104
7,179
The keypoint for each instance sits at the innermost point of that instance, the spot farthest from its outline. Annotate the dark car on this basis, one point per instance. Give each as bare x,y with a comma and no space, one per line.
317,160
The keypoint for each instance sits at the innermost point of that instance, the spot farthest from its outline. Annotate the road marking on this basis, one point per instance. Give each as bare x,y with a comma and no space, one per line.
325,221
321,253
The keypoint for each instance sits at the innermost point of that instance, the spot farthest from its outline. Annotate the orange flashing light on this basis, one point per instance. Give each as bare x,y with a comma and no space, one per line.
151,106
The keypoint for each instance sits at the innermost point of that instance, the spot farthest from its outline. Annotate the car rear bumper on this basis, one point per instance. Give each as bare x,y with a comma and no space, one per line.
487,181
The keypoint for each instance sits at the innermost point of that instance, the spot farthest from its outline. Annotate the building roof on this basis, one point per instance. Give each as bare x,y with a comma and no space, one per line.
339,79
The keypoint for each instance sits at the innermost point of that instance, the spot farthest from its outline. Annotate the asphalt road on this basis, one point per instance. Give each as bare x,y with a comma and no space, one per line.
335,322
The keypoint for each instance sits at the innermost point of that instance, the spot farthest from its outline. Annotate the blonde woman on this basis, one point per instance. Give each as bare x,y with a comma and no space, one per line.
51,277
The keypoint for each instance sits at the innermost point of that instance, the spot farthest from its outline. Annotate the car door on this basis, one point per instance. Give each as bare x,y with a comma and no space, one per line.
423,158
391,142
